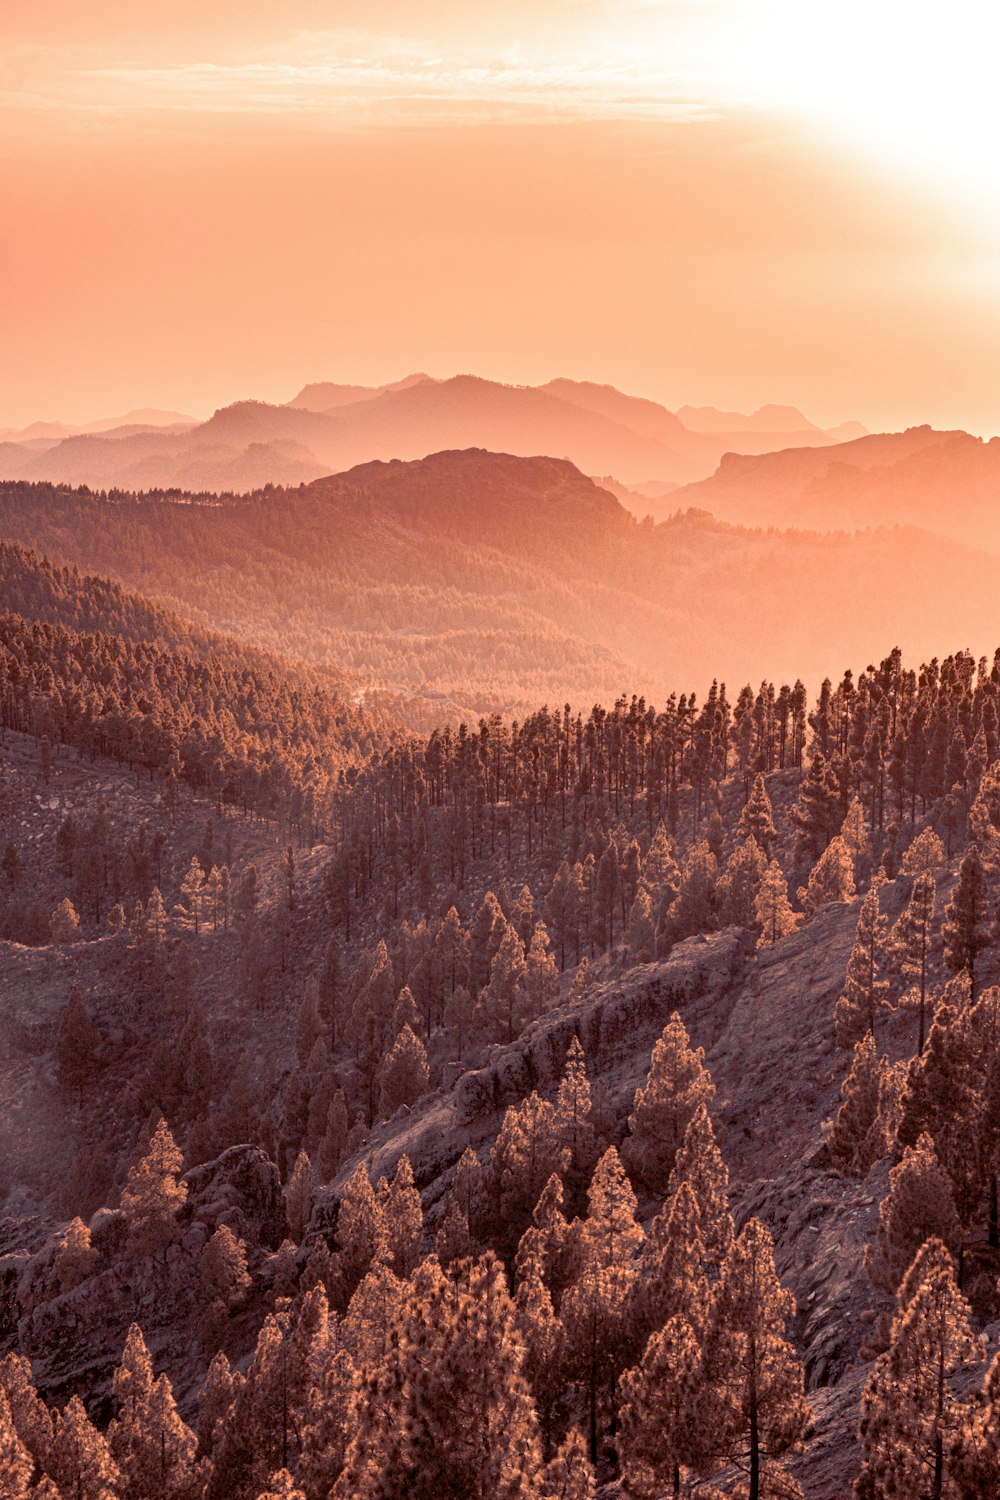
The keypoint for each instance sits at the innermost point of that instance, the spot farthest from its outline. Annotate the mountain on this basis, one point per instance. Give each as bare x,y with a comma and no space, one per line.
327,428
946,482
143,418
766,419
163,459
487,582
324,395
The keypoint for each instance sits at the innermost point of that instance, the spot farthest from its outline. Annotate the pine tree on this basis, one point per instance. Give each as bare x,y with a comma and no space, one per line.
404,1075
695,907
676,1084
153,929
700,1165
772,908
596,1313
450,1413
854,832
740,885
984,816
223,1278
189,911
673,1281
528,1150
966,928
816,815
328,1415
458,1014
544,1339
640,934
918,1206
30,1417
757,1376
65,924
212,897
924,854
299,1196
570,1474
369,1328
76,1046
469,1186
540,981
333,1145
215,1399
488,928
757,818
15,1460
864,993
665,1429
975,1451
551,1246
831,879
858,1138
80,1461
573,1118
281,1486
403,1216
911,1416
660,874
76,1257
612,1235
152,1446
406,1013
361,1229
607,895
499,1005
153,1195
910,943
944,1097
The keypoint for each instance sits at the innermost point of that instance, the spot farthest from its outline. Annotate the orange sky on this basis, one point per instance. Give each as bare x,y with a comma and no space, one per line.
698,200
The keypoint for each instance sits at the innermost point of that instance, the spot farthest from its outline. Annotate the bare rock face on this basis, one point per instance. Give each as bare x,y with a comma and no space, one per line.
612,1022
12,1268
242,1189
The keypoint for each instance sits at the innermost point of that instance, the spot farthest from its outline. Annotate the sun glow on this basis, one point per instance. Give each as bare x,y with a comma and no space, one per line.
913,80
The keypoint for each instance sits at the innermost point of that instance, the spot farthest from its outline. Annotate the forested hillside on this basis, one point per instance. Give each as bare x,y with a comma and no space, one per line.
471,582
604,1098
85,664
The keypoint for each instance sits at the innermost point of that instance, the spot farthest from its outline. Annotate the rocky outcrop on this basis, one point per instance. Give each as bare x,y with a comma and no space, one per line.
242,1189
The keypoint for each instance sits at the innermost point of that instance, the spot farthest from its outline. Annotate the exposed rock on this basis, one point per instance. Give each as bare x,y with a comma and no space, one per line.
240,1188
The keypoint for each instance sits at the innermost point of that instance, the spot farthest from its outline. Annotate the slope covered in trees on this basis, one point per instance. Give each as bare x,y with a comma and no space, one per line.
492,583
638,1061
85,664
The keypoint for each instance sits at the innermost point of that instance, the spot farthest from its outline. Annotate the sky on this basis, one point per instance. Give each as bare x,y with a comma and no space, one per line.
724,202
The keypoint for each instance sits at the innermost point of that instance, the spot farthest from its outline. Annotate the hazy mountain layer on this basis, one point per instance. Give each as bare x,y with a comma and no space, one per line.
486,582
329,427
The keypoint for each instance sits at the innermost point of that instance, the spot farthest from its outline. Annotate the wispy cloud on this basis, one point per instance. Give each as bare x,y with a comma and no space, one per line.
396,79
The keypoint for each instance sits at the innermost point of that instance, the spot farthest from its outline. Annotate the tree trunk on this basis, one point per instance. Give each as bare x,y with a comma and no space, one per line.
753,1492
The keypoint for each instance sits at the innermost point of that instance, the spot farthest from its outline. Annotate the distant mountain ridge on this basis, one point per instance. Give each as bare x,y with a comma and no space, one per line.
327,428
946,482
